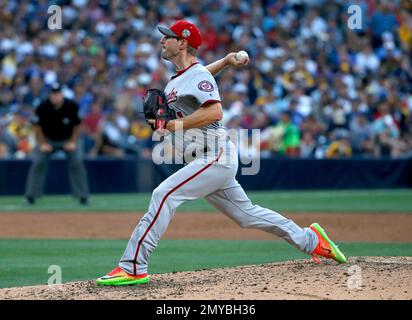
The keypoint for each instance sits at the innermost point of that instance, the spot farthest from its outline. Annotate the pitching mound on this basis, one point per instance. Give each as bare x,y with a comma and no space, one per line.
361,278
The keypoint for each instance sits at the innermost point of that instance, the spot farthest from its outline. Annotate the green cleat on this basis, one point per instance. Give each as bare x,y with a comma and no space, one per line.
326,248
118,277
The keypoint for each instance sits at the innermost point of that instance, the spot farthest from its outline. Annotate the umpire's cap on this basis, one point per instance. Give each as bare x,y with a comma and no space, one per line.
56,87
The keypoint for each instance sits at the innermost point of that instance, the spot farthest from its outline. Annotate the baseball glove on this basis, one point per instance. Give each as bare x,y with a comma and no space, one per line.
155,107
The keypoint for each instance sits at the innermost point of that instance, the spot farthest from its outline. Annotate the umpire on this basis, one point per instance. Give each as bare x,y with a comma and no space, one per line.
57,127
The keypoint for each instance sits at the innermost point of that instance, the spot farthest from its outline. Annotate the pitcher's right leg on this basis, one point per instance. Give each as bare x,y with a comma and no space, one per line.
194,181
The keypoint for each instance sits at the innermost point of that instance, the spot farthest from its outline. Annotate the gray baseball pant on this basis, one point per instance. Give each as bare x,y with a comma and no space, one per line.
37,173
216,182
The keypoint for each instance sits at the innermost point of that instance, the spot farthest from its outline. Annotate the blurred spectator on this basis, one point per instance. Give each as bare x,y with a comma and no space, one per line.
283,138
340,145
312,125
114,139
362,136
405,31
387,133
335,116
141,134
4,152
307,145
297,76
295,115
366,61
20,135
383,19
91,125
303,102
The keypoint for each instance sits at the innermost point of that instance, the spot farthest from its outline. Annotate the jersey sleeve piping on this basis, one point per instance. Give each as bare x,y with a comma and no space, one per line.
208,102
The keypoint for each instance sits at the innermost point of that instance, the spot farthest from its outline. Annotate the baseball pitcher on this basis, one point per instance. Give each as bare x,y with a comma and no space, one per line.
191,103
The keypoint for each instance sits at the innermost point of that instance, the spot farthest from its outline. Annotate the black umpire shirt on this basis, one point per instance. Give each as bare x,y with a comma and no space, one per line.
57,124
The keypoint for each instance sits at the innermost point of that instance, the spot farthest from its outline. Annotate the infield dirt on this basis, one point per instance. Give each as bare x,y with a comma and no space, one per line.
381,278
391,227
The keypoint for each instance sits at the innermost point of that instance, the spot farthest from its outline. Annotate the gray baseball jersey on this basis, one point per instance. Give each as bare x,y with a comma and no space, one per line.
211,177
186,92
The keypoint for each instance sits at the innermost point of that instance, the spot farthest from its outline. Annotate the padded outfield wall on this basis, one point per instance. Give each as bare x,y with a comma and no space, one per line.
141,175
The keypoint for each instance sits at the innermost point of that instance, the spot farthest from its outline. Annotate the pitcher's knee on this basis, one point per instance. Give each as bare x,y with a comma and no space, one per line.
159,193
245,224
164,198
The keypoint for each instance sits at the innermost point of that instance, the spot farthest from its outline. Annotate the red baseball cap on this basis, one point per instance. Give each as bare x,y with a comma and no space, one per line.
184,30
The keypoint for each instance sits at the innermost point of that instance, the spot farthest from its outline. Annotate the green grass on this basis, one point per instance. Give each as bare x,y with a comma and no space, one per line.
26,262
290,201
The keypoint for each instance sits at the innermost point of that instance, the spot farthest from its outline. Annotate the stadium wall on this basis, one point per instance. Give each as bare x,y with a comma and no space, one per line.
141,175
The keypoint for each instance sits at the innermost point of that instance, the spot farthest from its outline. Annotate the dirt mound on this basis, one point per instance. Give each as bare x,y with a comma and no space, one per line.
361,278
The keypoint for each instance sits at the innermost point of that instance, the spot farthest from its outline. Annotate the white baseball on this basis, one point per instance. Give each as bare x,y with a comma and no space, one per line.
242,56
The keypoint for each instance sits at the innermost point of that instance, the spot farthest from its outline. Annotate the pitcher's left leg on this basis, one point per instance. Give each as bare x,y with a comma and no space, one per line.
234,202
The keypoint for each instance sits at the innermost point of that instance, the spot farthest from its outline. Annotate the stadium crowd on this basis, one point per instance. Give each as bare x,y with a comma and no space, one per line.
315,88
